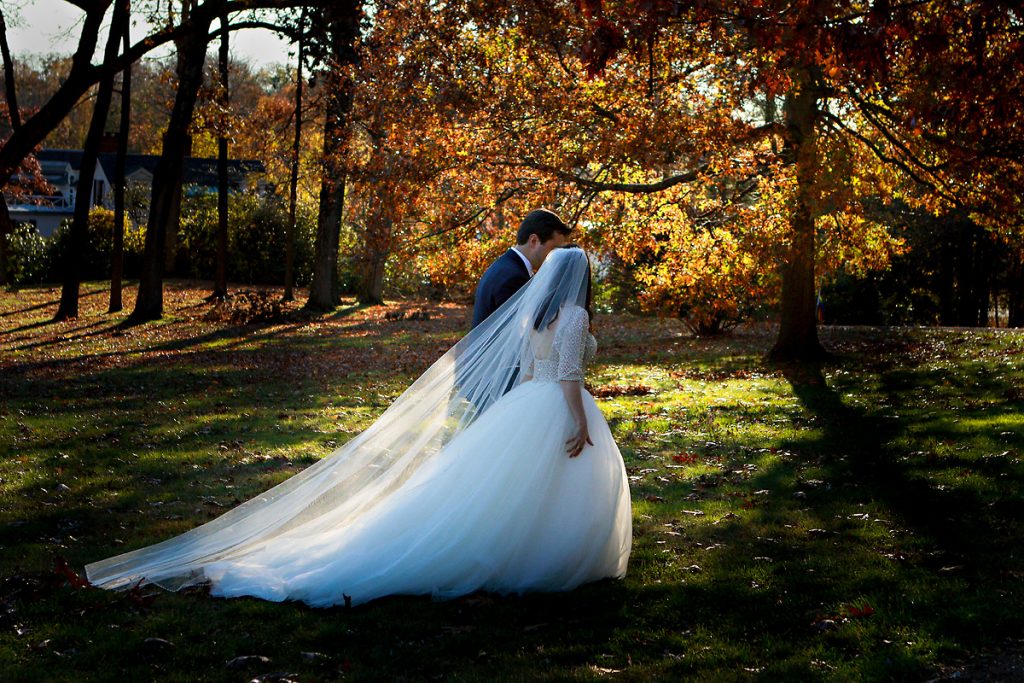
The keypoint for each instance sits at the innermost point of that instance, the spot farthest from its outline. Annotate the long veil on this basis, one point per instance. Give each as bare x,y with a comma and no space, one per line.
361,474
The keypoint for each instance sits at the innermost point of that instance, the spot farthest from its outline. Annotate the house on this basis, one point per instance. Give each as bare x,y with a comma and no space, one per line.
47,211
62,168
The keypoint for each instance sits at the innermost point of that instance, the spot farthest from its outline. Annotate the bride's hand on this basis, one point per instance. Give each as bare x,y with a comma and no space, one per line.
574,446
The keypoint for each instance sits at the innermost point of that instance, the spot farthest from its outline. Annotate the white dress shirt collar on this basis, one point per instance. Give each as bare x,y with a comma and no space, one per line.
529,266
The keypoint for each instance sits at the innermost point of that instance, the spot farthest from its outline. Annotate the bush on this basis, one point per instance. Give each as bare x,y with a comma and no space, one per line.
257,242
94,261
29,255
257,239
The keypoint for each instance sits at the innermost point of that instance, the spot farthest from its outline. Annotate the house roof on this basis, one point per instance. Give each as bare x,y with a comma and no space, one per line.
54,171
198,170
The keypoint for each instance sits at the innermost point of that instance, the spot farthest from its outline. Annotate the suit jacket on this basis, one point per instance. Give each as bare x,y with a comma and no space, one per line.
502,279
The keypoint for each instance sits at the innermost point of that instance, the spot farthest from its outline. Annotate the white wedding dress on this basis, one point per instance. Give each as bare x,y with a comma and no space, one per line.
440,496
502,508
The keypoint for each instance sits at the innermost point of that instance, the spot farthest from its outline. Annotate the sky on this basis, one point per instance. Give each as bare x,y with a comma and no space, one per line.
52,26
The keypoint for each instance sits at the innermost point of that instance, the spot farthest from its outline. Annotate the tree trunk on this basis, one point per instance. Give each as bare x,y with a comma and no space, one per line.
293,181
117,249
798,332
323,294
165,201
376,249
171,246
6,227
343,27
371,288
79,237
183,63
13,113
947,278
964,306
983,277
220,285
9,86
1015,290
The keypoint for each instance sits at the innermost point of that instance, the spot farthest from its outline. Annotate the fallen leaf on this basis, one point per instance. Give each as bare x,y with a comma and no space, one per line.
245,661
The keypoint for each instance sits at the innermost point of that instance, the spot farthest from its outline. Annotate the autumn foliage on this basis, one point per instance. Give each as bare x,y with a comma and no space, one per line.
725,159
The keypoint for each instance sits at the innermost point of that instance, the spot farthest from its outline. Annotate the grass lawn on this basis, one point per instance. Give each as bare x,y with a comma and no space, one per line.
859,521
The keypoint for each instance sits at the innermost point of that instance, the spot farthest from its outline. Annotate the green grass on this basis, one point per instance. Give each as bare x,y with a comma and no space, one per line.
857,521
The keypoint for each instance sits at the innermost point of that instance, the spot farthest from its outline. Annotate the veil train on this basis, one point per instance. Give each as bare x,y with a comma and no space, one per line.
360,475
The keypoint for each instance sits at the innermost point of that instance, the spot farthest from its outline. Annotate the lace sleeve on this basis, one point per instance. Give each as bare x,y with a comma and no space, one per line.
571,344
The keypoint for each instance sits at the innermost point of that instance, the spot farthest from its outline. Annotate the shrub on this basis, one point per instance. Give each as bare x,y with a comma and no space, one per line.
28,255
94,261
257,239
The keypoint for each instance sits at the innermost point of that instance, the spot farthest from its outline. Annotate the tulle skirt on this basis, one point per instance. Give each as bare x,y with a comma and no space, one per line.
502,508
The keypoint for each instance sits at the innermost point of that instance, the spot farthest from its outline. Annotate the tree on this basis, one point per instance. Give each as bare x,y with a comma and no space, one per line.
10,91
293,175
220,286
68,307
117,249
168,172
83,75
334,48
927,88
14,115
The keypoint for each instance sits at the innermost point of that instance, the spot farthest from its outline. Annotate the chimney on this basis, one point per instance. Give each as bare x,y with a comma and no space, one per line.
108,145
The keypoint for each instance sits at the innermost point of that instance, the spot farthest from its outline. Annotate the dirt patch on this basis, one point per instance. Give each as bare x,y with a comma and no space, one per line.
1003,666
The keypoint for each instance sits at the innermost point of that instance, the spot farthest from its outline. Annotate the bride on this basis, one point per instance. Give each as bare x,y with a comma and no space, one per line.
495,470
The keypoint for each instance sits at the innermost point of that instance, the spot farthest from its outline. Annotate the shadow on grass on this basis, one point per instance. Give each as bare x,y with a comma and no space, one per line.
956,535
30,326
767,584
56,341
947,514
45,304
235,335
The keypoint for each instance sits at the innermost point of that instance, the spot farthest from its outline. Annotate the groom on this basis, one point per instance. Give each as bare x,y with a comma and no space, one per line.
539,233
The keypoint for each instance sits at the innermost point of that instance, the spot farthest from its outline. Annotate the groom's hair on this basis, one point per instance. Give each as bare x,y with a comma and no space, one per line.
542,223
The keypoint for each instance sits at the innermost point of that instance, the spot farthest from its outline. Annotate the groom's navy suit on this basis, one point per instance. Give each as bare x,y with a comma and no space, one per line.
502,279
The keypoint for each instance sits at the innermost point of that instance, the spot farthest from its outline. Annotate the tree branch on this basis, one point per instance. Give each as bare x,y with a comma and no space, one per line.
286,31
899,163
597,186
507,194
869,110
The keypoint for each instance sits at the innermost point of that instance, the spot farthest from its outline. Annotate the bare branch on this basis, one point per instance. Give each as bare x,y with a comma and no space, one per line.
889,159
869,111
507,194
287,31
597,186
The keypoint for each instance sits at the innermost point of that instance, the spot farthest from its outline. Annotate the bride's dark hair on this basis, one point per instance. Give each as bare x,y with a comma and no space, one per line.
548,314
